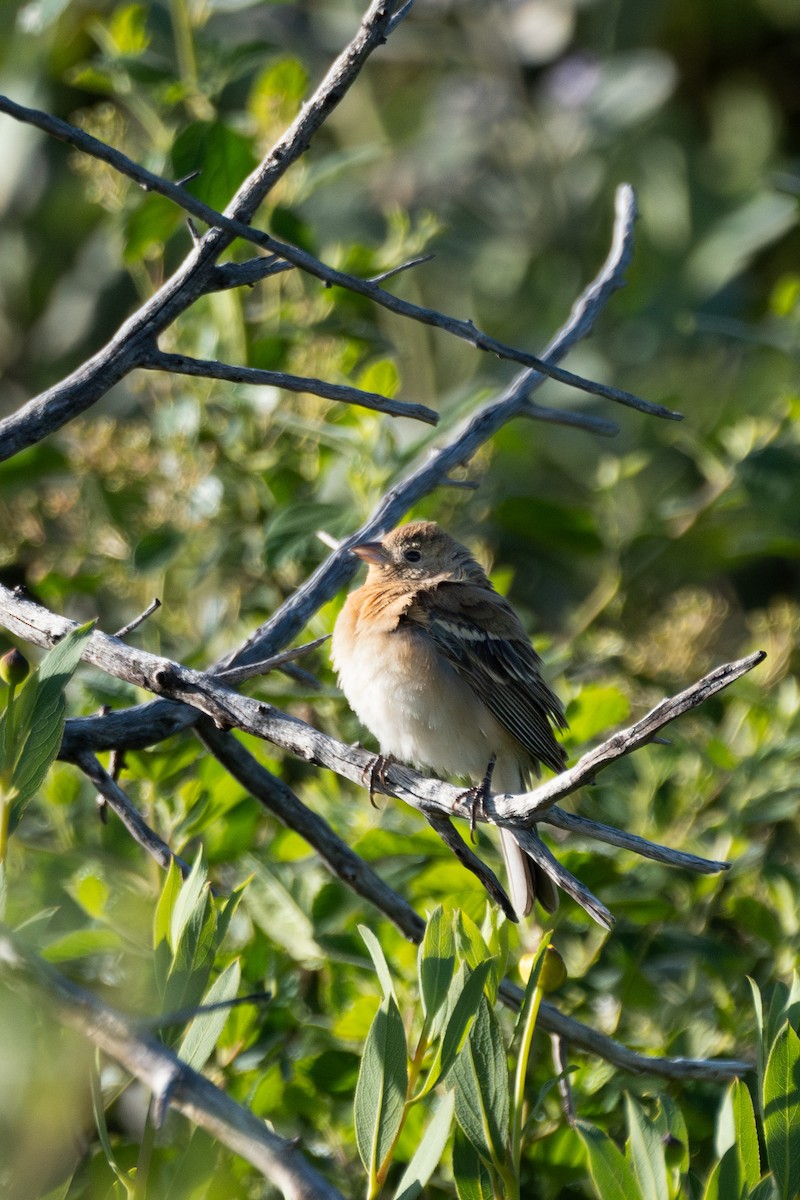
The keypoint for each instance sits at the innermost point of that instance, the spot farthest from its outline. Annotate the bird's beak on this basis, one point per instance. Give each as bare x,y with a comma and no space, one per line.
370,552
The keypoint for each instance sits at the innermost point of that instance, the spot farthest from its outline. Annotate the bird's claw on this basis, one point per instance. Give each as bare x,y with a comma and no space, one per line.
376,773
476,797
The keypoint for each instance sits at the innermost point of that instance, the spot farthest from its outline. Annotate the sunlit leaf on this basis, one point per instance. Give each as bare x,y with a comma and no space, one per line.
381,1087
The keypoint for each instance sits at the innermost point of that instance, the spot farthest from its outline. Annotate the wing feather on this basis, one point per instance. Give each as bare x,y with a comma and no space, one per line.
498,662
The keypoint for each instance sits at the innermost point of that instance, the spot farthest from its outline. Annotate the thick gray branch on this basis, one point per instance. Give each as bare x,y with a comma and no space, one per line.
171,1081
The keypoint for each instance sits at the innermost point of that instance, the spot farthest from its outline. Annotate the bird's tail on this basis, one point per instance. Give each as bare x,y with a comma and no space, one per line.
527,881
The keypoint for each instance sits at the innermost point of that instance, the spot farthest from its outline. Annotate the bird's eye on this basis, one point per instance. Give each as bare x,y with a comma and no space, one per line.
412,556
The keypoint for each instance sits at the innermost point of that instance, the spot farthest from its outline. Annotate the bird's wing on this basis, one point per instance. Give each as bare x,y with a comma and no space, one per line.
480,635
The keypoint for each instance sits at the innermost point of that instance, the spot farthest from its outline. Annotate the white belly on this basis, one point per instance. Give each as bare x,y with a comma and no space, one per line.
426,715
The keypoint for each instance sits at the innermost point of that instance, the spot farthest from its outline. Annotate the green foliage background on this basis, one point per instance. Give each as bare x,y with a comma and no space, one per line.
494,135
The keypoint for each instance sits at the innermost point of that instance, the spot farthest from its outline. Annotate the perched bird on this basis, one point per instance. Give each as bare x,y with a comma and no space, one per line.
438,667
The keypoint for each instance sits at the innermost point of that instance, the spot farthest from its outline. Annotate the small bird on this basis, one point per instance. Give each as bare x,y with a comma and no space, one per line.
438,667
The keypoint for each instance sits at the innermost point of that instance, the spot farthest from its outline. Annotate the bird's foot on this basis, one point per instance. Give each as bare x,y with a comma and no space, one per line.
375,773
476,796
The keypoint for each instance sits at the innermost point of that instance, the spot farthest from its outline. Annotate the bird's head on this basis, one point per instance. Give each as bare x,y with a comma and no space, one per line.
417,552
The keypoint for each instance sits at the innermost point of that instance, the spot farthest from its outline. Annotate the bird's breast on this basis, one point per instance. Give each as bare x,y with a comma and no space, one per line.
415,703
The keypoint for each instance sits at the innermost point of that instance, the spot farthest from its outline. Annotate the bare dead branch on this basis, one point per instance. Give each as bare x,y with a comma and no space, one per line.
180,364
171,1081
562,416
535,804
454,842
406,266
114,797
137,621
134,344
236,675
583,1037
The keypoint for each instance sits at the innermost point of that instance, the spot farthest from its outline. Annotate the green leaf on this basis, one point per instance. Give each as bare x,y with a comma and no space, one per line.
480,1074
472,946
765,1189
162,921
277,92
98,1108
612,1174
223,156
672,1130
157,549
381,1088
429,1152
192,895
39,715
472,1177
273,907
381,376
758,1009
597,709
82,943
458,1024
128,27
91,891
646,1153
745,1132
148,227
782,1112
379,960
201,1037
725,1181
436,962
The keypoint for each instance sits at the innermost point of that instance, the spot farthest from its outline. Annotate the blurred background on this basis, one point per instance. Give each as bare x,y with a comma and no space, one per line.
492,135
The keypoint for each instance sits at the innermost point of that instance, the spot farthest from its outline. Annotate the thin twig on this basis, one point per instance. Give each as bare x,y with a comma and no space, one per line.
465,330
578,420
113,796
582,826
467,857
583,1037
137,621
235,675
246,274
181,364
182,1016
544,858
406,266
536,803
